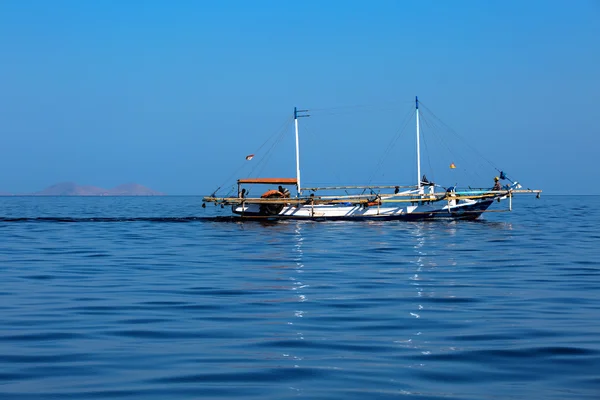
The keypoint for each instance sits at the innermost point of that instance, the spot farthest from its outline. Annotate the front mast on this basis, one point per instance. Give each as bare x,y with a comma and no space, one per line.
296,116
418,148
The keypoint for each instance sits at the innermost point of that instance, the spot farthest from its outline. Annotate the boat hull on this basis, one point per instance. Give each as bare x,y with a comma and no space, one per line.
468,210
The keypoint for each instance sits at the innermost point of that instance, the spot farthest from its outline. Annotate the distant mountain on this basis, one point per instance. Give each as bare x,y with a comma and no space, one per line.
5,193
73,189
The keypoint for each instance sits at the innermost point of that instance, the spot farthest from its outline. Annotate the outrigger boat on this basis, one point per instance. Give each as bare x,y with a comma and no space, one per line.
423,201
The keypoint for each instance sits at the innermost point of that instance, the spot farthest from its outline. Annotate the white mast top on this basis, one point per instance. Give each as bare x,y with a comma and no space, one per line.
297,153
296,116
418,147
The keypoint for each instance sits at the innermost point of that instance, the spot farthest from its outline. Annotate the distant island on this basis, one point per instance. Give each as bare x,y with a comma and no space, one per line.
73,189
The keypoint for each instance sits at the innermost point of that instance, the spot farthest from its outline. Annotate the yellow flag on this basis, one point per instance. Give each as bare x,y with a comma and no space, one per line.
452,166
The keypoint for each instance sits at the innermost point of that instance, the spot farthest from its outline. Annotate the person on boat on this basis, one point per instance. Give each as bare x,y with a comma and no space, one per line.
243,193
426,182
497,184
284,191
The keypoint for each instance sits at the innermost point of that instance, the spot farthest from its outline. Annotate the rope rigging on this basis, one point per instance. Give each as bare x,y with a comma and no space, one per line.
433,124
278,135
479,163
260,165
425,137
410,114
391,105
362,109
433,128
459,137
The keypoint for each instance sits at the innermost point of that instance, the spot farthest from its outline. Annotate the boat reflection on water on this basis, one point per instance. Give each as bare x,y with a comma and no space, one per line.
338,285
441,263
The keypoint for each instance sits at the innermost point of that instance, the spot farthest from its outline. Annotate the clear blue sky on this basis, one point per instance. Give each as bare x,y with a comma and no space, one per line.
173,95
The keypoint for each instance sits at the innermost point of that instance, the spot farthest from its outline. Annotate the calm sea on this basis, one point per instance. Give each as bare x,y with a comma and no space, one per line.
143,298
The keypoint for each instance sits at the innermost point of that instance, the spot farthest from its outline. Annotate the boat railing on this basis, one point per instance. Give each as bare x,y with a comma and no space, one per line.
404,197
315,189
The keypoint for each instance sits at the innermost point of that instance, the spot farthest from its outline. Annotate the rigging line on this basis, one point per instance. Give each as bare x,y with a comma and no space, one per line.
308,131
433,129
410,114
395,102
432,176
282,127
443,140
386,153
454,155
264,159
228,179
355,111
445,143
460,137
474,173
307,134
392,143
478,163
231,191
268,155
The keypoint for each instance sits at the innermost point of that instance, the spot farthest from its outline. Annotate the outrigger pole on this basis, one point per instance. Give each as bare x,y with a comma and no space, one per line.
418,147
296,116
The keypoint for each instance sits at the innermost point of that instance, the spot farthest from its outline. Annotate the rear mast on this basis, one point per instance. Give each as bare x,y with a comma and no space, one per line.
296,116
419,187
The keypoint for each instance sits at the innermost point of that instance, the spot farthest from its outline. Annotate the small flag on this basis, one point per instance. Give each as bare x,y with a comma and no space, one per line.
249,157
452,166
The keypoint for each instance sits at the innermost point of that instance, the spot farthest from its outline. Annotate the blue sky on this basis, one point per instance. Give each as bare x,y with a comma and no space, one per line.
174,95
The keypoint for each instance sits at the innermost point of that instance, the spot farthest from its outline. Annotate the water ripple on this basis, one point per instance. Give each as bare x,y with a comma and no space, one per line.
153,298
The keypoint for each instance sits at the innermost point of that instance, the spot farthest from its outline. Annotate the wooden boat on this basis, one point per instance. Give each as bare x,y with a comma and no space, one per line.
422,201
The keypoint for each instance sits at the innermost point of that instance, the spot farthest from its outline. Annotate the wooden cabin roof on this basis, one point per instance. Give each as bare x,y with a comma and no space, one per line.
272,181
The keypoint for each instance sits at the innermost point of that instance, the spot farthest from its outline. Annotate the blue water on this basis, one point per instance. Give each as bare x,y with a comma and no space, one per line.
141,298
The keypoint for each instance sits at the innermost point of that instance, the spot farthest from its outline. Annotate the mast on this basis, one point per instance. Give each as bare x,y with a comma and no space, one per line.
296,116
418,147
297,153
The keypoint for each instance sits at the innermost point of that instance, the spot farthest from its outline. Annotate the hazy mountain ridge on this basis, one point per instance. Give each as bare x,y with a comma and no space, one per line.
74,189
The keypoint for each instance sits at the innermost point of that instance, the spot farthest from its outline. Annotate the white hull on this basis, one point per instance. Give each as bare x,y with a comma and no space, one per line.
428,210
